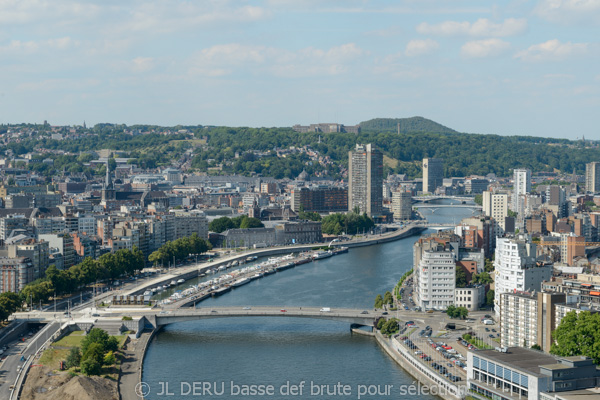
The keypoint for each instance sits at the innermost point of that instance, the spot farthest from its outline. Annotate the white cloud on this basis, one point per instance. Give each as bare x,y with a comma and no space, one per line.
18,47
416,48
220,60
168,17
483,27
552,50
142,64
568,11
484,48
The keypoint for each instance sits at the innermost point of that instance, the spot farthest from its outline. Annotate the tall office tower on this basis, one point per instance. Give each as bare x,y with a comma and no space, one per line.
433,174
365,180
592,177
522,186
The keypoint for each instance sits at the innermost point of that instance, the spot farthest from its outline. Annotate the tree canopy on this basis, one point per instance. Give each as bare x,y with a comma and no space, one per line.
578,335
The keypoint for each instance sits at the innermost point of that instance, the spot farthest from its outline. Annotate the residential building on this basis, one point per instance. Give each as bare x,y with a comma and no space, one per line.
572,247
516,268
320,199
519,319
495,205
63,243
15,273
433,174
521,187
402,205
365,180
434,259
592,177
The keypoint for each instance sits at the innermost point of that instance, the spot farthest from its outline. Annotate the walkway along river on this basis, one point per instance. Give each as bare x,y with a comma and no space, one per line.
229,353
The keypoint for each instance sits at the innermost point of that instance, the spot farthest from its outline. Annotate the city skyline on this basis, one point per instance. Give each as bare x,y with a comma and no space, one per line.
521,68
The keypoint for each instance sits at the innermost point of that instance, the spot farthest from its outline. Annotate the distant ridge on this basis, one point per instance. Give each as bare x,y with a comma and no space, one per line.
407,125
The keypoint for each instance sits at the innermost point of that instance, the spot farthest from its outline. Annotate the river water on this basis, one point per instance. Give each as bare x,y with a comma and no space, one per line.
225,356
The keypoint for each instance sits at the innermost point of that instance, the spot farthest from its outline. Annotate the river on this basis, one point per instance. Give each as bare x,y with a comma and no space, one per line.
332,362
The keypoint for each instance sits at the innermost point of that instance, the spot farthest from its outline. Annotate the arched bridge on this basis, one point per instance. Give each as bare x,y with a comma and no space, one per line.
351,316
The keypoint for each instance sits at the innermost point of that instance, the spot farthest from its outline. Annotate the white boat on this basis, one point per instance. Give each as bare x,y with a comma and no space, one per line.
148,293
321,254
222,268
154,290
240,282
173,283
179,281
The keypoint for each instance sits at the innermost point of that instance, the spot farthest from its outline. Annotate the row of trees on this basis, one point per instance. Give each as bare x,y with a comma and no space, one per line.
179,249
457,312
225,223
108,266
386,299
351,223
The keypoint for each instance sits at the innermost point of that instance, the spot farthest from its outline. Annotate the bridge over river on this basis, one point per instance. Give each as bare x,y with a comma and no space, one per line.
158,317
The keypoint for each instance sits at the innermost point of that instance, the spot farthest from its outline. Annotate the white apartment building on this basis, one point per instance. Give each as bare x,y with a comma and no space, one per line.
521,187
519,320
516,269
495,205
436,278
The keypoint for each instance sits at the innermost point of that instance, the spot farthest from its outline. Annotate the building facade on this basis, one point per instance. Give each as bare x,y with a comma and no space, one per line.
592,177
433,174
365,180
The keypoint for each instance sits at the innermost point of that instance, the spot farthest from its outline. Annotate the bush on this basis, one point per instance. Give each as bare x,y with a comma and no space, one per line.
74,358
91,367
109,358
126,318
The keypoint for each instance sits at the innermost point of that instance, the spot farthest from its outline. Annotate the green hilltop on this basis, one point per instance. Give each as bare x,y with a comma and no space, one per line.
404,125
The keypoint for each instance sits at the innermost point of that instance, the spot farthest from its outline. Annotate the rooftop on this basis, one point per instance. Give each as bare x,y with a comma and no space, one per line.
524,360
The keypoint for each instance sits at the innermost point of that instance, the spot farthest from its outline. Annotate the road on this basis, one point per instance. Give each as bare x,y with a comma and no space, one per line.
18,349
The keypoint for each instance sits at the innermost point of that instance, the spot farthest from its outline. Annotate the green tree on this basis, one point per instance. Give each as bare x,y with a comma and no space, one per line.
9,303
109,358
390,327
461,277
489,265
95,335
578,335
489,298
478,199
483,278
381,323
91,367
536,347
74,357
378,301
221,224
457,312
94,351
387,298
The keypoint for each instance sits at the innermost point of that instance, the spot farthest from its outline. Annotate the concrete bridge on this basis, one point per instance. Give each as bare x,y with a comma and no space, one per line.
158,317
437,197
436,206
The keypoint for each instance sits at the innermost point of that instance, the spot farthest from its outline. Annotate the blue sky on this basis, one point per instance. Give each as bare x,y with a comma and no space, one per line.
505,67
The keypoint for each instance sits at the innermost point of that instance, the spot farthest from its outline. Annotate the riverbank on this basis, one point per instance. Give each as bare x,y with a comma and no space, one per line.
195,270
426,377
